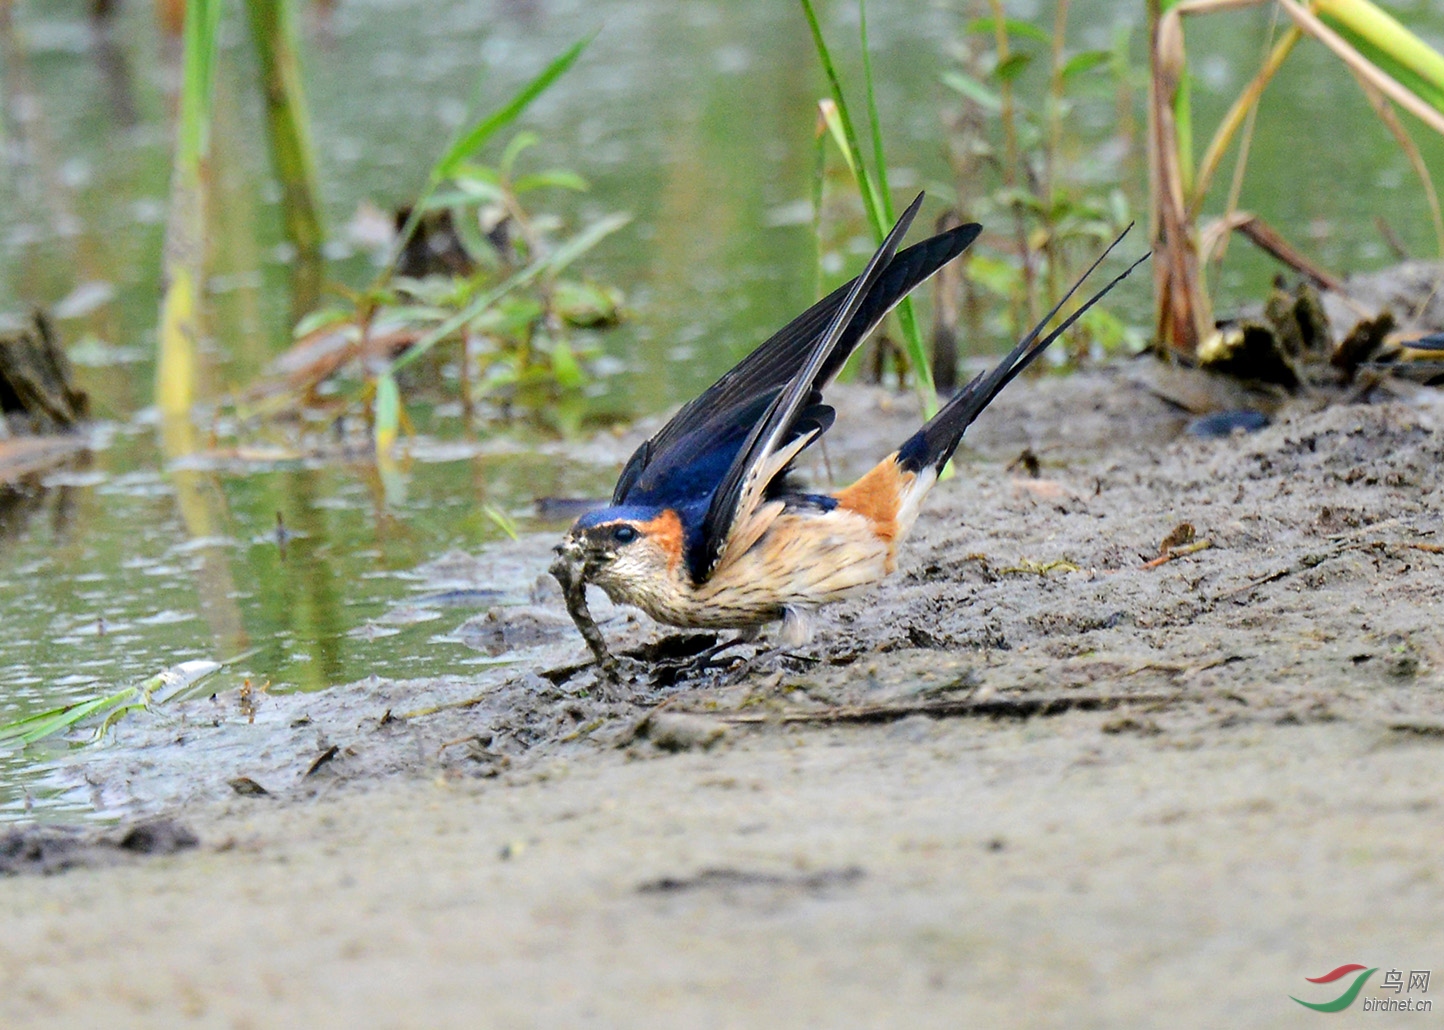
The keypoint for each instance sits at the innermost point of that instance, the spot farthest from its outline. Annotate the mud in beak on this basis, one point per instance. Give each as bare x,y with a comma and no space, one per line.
570,570
571,550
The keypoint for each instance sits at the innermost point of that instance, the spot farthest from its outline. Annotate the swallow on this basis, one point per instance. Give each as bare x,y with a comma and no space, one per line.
706,528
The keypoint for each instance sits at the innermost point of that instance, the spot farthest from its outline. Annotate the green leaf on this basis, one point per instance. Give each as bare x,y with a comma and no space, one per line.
444,199
558,178
513,150
1396,50
1011,26
565,368
1118,209
973,90
475,192
1015,196
475,171
468,230
323,318
509,317
583,242
1012,67
586,305
1078,64
833,121
994,274
37,727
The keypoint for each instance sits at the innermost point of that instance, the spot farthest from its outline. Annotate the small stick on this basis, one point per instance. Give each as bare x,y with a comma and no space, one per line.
574,591
1177,552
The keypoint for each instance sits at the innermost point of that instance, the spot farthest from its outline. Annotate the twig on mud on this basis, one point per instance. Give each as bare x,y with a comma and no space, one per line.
1023,707
1427,548
1305,563
320,760
1178,552
445,706
1309,561
473,738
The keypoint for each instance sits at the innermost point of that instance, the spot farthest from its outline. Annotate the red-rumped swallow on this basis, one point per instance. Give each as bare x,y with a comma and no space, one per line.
704,529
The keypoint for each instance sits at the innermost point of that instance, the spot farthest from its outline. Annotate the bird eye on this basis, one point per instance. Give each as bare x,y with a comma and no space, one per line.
624,534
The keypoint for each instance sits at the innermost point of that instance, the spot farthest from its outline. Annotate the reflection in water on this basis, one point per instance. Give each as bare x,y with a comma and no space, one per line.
307,594
113,64
202,507
22,501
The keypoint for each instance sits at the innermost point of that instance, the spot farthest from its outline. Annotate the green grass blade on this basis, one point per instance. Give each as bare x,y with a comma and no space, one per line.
203,19
973,90
37,727
988,26
388,414
833,121
871,202
558,260
873,190
501,520
472,139
879,158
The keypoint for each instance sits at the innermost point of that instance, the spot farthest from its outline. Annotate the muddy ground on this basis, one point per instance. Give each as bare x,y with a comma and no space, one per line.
1038,778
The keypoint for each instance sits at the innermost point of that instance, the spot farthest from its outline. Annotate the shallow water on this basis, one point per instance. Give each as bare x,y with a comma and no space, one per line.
695,118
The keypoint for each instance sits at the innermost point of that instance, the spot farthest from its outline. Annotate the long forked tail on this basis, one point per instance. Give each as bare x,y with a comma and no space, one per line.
932,445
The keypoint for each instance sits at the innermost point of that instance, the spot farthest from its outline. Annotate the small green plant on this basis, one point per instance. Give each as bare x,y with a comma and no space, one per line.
1017,86
473,267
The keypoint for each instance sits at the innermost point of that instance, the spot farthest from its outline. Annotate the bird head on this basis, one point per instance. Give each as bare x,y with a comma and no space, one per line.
621,548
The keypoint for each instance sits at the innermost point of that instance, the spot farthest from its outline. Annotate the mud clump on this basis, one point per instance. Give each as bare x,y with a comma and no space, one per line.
47,850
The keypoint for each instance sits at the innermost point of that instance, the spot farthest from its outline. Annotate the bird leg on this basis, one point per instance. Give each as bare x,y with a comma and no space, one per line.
745,635
568,572
707,657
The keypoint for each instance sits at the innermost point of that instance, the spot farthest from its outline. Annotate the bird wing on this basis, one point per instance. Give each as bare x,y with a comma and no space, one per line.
792,421
689,456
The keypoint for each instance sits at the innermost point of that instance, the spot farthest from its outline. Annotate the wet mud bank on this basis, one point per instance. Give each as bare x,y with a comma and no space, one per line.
1138,709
